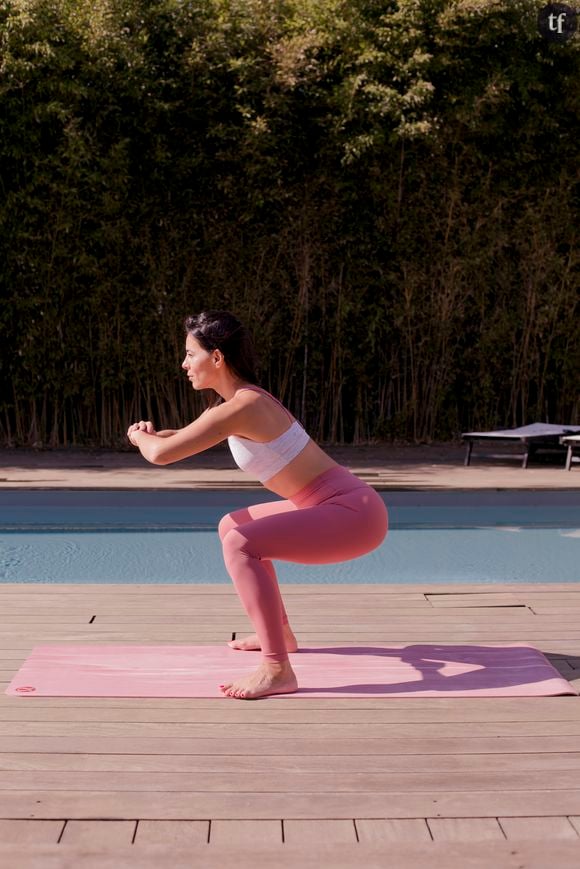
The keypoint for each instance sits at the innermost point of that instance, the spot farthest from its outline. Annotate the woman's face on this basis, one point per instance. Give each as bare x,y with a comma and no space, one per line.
197,363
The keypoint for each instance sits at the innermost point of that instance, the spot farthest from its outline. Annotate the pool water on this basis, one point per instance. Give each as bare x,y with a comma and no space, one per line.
171,537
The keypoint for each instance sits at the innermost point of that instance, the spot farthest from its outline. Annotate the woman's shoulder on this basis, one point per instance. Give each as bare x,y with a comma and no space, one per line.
246,396
254,402
263,415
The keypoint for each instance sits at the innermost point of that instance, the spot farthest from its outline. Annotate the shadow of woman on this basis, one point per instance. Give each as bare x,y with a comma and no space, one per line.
441,669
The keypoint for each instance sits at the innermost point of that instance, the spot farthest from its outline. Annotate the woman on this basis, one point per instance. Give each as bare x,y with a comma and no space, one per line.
328,515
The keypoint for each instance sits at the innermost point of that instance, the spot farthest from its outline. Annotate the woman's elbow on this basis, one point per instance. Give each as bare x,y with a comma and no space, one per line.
160,460
154,457
163,457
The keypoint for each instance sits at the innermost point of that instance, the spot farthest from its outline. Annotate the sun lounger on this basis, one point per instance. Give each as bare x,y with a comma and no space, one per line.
534,436
572,442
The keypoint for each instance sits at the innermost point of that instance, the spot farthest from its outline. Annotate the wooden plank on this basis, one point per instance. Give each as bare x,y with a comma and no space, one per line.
200,805
112,833
25,640
30,832
375,831
267,780
548,762
310,833
19,638
539,827
563,647
303,616
474,599
220,593
545,595
245,833
284,731
380,636
309,620
178,834
301,713
267,745
451,620
215,597
521,854
465,829
185,615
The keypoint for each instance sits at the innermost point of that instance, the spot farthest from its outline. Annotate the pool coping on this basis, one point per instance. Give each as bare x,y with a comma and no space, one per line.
386,467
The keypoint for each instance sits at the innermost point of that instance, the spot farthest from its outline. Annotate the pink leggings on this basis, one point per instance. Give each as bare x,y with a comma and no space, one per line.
334,518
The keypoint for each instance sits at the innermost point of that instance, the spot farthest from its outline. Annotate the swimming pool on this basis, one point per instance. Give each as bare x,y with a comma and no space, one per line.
96,536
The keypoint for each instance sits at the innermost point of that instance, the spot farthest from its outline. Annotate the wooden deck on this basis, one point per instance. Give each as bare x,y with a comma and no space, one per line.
449,782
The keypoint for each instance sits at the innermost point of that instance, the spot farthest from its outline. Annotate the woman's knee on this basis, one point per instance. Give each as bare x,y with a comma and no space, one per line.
226,524
235,545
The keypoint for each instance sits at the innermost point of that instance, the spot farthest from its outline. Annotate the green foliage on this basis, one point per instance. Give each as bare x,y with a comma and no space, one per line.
384,191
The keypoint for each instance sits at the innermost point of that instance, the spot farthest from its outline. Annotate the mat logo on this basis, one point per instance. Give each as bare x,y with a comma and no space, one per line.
26,689
557,22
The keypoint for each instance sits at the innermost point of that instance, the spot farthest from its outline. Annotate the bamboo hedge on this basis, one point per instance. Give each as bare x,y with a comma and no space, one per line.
385,192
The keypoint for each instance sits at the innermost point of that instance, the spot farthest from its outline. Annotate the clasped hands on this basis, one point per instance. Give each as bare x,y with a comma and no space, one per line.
145,426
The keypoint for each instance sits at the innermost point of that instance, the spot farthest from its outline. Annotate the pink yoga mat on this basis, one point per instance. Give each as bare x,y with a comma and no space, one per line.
425,670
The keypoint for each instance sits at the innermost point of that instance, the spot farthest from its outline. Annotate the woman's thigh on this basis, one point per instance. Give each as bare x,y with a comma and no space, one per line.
337,530
249,514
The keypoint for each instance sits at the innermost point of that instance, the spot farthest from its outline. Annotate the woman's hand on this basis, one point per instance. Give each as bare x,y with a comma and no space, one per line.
140,426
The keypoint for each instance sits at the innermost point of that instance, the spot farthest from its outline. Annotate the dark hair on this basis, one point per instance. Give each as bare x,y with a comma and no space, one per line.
220,330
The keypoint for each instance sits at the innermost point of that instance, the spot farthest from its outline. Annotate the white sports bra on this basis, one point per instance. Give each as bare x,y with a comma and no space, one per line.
263,460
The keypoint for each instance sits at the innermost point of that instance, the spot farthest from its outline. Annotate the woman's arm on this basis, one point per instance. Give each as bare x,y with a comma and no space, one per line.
167,432
146,443
211,428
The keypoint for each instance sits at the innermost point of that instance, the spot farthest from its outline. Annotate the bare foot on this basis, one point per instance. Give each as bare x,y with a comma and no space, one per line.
267,679
252,643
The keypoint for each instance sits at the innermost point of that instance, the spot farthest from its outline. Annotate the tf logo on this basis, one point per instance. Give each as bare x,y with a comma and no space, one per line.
557,22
